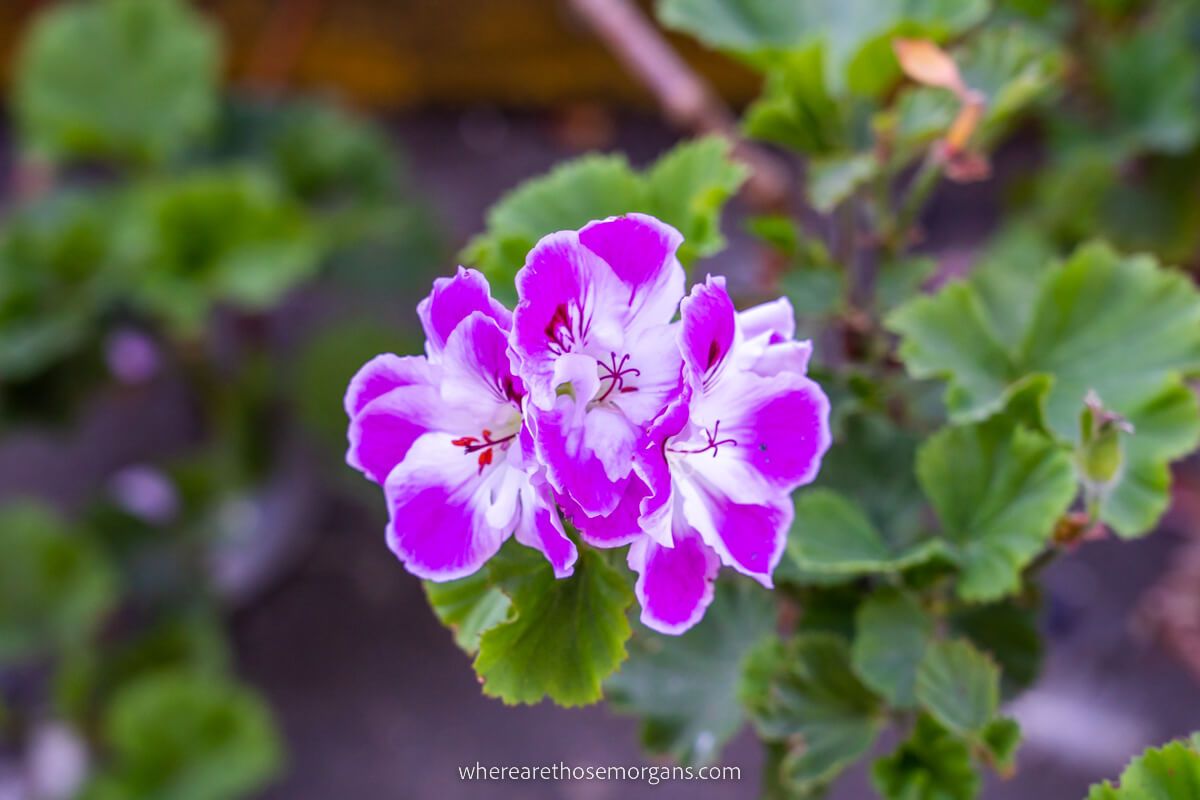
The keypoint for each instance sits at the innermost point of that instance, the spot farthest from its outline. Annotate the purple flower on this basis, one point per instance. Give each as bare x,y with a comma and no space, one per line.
593,340
683,440
444,434
718,467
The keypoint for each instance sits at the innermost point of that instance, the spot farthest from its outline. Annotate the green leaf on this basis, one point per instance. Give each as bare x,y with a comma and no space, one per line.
1007,632
959,686
1170,772
1123,327
998,491
55,585
762,26
563,638
833,179
1001,738
58,275
899,281
220,235
1151,80
681,685
133,80
188,736
804,692
469,607
892,633
831,536
932,764
686,188
796,109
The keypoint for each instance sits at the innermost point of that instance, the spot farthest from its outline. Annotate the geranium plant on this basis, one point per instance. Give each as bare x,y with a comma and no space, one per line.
894,448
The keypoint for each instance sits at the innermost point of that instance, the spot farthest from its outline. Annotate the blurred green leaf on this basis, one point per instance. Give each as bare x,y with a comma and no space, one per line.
998,491
762,27
186,736
55,586
959,686
130,80
931,764
1008,633
1170,772
469,607
899,281
686,188
830,535
803,692
563,638
834,179
58,274
796,108
680,685
220,235
1151,81
892,631
1124,327
191,640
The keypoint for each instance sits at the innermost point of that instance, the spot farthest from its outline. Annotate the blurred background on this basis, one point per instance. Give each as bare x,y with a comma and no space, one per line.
213,212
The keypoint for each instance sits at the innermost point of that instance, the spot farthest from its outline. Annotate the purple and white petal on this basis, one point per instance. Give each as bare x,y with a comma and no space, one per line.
708,330
641,251
748,537
617,528
382,374
476,371
765,434
453,300
675,584
383,431
565,291
439,503
776,320
541,528
589,460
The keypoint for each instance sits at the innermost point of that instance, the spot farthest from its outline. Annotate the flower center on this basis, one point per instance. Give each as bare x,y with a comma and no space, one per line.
483,444
713,443
566,329
614,372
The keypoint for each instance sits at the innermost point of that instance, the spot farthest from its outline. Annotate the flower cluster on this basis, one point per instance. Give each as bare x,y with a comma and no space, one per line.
680,438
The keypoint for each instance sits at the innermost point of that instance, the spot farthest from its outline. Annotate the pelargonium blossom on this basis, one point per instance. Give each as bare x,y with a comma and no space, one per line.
747,428
445,436
593,339
683,439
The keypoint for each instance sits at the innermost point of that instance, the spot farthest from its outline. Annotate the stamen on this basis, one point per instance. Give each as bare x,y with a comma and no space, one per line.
714,444
616,372
473,444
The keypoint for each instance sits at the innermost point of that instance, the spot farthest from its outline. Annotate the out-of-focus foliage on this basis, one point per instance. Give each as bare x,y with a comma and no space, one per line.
185,735
55,584
685,188
143,204
229,234
130,80
59,271
680,685
1170,772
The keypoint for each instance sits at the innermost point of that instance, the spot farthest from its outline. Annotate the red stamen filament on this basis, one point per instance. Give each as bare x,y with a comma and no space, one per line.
616,373
472,444
714,444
